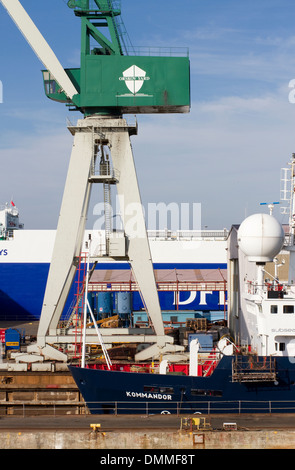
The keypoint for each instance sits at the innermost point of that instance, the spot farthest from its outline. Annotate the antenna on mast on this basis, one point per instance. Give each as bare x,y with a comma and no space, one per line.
288,194
270,205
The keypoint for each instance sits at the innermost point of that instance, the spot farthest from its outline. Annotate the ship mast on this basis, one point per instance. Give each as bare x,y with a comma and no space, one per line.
292,202
288,195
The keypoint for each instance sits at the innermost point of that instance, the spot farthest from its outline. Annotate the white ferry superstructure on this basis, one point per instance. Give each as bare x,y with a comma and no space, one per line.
194,259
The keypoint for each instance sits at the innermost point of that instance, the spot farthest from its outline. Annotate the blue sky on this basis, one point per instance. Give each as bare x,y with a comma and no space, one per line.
226,154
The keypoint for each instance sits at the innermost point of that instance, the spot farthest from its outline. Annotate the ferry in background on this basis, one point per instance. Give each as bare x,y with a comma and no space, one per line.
190,269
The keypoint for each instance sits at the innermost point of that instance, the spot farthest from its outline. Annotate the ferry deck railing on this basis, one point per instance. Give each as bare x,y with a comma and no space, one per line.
166,234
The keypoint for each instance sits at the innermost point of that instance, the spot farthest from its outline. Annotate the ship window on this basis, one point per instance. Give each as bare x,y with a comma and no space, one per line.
210,393
198,392
281,346
273,309
156,389
288,308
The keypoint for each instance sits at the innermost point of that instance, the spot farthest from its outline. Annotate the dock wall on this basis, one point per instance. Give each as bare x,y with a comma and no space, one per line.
81,439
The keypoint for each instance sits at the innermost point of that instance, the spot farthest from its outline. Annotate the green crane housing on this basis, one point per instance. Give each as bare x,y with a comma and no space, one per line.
114,80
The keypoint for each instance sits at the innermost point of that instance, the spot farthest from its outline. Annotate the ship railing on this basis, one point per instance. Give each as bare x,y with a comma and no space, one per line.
105,172
191,407
263,290
267,290
81,408
166,234
172,286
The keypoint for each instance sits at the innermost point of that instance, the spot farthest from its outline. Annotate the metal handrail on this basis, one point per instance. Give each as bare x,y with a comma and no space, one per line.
158,51
188,234
148,408
195,407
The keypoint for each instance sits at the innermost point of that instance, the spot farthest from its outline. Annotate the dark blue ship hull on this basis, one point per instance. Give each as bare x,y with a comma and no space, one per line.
225,391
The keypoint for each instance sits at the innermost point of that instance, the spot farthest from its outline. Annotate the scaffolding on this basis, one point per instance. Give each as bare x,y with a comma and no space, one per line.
253,369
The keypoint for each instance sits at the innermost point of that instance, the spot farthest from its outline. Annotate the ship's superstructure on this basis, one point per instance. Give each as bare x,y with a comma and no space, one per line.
263,317
9,221
261,304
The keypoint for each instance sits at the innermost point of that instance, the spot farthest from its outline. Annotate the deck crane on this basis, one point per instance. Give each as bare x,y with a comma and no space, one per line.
110,82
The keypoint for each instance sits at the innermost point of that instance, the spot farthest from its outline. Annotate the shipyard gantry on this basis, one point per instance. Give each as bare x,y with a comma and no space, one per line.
110,82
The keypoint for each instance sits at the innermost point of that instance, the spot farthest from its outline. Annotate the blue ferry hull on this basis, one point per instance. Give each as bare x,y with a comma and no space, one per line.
128,392
22,288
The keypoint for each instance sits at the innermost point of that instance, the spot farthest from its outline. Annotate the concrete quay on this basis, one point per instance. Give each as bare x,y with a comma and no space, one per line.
146,433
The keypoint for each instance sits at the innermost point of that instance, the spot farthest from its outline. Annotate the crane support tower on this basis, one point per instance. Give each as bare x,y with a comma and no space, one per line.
112,80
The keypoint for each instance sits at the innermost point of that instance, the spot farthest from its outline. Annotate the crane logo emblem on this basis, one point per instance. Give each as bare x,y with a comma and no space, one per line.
134,77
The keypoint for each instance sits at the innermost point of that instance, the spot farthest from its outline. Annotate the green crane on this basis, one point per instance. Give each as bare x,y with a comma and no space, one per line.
110,82
111,79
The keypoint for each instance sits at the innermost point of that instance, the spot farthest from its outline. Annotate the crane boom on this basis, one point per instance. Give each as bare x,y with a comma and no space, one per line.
39,45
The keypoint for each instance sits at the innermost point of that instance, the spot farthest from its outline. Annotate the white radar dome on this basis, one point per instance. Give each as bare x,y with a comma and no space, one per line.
260,237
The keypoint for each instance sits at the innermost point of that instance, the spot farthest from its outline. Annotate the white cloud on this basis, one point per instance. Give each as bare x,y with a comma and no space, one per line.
226,154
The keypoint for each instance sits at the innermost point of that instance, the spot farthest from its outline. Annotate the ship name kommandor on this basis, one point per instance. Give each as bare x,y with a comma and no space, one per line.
153,396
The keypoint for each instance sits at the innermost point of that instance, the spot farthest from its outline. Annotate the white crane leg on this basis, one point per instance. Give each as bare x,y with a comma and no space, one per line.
138,248
69,235
72,220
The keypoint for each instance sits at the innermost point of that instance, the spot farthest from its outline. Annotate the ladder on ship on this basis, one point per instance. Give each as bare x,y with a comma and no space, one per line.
79,313
105,170
77,303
